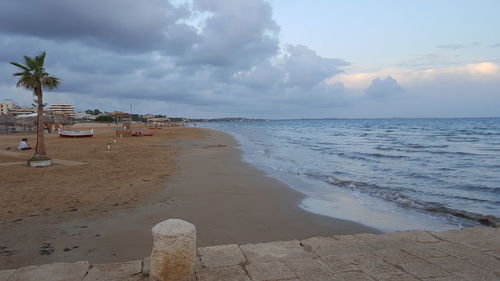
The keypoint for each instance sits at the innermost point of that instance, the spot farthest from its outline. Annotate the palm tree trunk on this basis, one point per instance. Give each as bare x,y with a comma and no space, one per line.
40,153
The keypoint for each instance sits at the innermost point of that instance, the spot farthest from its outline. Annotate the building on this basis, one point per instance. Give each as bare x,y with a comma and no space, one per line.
62,109
4,109
120,114
83,115
6,106
16,110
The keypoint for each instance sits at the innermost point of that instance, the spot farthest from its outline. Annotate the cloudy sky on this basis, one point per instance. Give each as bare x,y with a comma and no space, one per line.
261,59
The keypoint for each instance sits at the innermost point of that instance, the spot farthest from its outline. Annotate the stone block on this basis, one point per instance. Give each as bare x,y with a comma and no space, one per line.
275,251
134,278
483,244
424,251
336,245
396,277
352,275
231,273
308,269
397,256
457,250
52,272
376,268
423,237
333,264
446,278
269,271
482,275
221,256
359,259
111,271
5,274
453,264
380,241
424,270
174,251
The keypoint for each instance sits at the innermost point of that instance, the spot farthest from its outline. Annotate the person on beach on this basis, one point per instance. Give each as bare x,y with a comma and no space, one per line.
23,145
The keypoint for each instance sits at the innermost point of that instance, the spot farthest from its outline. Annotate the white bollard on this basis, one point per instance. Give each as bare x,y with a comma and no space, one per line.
174,251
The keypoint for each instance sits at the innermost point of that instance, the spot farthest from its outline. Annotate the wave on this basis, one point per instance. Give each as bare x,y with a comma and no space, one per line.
462,139
379,155
421,146
421,150
487,220
400,199
480,188
354,157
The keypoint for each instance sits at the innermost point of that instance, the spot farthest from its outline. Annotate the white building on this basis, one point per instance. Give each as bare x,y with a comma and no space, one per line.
16,110
6,106
83,115
64,109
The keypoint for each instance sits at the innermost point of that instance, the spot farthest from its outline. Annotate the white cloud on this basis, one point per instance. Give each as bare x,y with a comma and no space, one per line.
357,82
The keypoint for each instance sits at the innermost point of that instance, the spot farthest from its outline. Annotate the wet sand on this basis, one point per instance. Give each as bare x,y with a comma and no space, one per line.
192,174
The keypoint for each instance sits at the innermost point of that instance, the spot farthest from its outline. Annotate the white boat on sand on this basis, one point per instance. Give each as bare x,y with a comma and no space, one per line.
75,134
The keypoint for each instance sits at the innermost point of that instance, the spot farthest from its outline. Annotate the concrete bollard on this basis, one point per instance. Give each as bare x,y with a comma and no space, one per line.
174,251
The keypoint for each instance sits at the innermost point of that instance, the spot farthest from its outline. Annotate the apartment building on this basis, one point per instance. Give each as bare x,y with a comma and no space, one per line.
62,109
6,106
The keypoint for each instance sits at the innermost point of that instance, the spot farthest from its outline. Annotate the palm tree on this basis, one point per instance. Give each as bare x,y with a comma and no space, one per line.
33,77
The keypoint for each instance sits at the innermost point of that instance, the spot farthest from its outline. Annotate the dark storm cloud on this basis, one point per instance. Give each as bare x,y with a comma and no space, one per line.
383,88
119,25
126,50
238,33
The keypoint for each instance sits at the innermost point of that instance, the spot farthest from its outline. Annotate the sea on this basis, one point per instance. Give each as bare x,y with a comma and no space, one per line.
390,174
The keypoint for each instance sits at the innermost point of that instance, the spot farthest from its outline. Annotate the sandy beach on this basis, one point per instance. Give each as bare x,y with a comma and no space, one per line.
103,210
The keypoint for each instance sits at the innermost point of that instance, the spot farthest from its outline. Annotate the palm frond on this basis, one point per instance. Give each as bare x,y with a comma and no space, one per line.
40,59
50,82
34,76
20,66
30,62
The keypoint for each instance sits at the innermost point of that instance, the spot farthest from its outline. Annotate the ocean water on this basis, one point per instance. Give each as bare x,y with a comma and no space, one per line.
391,174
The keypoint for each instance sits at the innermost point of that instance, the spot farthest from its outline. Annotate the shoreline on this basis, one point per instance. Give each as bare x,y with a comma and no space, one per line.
228,200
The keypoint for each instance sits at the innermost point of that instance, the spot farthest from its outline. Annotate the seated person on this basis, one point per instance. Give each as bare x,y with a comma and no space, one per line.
23,145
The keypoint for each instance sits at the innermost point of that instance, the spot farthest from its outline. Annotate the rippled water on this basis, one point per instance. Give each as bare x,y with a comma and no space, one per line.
388,173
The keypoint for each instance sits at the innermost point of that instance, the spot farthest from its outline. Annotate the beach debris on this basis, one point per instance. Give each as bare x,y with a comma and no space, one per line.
4,252
46,249
217,145
67,233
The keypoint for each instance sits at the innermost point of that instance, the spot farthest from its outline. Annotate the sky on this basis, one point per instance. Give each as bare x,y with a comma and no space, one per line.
260,59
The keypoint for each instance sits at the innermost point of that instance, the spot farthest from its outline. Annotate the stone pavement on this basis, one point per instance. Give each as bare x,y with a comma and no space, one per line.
468,254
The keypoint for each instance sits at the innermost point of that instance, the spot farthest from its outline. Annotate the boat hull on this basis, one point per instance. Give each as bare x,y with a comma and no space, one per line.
76,134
